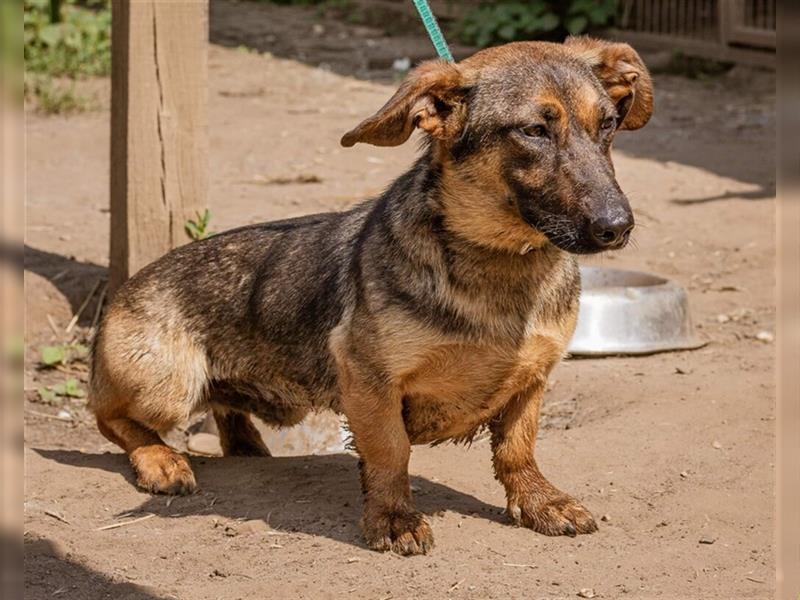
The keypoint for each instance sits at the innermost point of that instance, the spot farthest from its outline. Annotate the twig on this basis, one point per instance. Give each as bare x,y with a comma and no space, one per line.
126,523
53,326
55,515
455,585
505,564
99,308
83,306
754,579
36,413
59,275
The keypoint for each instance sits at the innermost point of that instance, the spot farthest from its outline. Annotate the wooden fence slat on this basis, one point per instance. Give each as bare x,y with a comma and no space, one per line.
159,148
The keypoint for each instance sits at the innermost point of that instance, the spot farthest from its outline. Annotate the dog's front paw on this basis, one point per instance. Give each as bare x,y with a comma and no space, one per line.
161,470
553,514
405,532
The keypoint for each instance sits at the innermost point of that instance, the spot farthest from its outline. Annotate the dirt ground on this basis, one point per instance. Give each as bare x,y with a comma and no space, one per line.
673,451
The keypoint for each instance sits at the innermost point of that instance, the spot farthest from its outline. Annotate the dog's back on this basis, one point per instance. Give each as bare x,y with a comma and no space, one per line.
249,308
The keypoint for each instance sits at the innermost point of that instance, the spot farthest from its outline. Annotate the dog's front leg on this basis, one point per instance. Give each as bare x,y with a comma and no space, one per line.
532,500
390,521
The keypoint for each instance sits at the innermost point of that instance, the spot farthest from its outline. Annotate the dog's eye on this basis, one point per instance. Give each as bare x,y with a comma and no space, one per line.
608,124
535,131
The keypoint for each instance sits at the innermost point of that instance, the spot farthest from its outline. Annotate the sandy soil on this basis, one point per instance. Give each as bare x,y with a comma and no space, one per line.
674,451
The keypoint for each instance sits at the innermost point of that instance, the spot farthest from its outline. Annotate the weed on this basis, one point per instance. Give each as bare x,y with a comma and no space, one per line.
72,41
62,354
79,44
506,21
70,388
199,229
56,97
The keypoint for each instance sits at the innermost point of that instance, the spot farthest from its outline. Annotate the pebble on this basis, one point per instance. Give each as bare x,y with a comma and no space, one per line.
586,593
765,336
204,443
707,539
716,445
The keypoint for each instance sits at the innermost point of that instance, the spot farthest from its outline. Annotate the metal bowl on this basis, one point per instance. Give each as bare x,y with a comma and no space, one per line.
630,312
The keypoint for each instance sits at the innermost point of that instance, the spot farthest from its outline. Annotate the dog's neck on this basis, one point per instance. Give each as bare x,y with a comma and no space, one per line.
440,208
480,219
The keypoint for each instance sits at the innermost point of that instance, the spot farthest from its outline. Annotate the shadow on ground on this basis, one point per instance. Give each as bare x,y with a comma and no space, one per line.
315,495
51,574
73,278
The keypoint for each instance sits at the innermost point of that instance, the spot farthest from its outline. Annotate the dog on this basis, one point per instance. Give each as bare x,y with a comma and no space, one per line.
424,315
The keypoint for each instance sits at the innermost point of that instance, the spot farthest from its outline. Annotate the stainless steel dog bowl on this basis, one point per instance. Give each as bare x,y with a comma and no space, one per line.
629,312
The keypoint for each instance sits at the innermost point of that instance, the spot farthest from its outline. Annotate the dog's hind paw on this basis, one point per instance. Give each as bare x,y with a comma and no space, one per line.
557,515
405,533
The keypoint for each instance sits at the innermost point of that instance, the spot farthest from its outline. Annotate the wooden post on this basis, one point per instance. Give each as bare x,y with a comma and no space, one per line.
159,139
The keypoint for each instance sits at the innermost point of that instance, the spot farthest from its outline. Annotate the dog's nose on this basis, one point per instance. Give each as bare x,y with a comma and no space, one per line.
612,231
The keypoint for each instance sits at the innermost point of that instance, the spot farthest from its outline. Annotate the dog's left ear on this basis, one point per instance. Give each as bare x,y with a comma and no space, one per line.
622,72
429,98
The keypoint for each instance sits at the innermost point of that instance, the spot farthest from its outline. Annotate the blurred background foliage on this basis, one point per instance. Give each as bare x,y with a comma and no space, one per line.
507,21
64,40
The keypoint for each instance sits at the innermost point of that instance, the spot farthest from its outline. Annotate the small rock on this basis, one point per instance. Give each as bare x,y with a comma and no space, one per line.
722,318
230,531
586,593
707,539
606,518
684,474
64,415
716,445
204,443
765,336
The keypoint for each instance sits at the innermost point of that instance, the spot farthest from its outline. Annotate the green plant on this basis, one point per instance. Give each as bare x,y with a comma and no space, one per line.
585,14
62,354
71,388
56,97
198,229
72,41
77,45
506,21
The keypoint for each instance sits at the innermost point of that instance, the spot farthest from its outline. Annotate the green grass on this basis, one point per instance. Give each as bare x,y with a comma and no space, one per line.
77,45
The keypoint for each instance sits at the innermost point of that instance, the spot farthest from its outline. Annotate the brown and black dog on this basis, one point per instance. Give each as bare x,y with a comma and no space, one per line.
424,315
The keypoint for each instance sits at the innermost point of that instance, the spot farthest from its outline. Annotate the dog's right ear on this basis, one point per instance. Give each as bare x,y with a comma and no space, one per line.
429,98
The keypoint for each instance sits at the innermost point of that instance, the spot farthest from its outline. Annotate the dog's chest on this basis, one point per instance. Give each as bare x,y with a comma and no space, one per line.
456,388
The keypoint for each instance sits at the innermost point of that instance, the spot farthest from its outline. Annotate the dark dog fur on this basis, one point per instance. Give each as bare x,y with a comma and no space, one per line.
422,316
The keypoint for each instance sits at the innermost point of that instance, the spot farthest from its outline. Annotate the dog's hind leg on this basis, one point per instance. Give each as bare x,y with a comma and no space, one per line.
143,383
237,434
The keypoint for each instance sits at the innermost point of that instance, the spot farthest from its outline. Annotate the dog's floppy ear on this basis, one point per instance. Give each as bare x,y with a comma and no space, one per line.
428,98
622,72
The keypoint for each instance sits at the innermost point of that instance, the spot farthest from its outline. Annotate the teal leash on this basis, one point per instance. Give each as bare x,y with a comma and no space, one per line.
432,27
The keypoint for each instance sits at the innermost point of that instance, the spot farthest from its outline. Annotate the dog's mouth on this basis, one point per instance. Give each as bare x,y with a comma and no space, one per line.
569,234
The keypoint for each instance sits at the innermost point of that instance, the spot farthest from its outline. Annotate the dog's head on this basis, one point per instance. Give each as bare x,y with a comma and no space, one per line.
522,134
